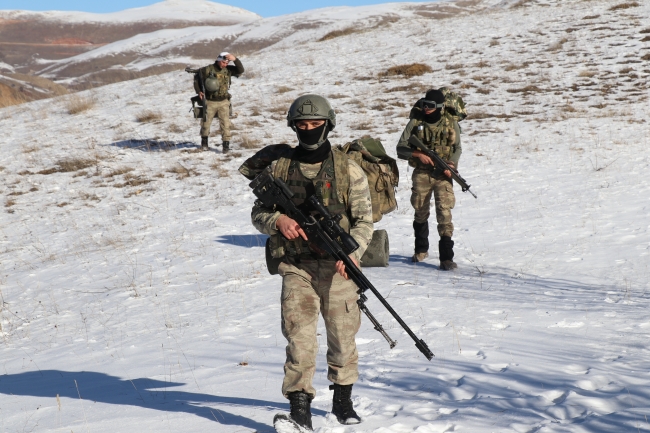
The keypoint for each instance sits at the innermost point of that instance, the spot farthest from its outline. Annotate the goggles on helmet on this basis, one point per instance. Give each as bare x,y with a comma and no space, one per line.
431,105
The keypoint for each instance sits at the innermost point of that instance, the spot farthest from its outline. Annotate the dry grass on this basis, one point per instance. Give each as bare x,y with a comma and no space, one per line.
133,180
338,33
283,89
10,202
528,89
76,104
69,165
175,129
624,6
644,31
338,96
119,171
87,196
256,111
361,126
412,70
148,116
248,142
181,171
590,17
558,45
586,74
453,66
494,42
514,67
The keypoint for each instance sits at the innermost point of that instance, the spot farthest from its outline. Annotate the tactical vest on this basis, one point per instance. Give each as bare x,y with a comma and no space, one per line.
330,185
439,137
223,78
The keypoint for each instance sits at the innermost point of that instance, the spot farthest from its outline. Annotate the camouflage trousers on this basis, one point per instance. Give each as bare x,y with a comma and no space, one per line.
220,109
424,185
310,287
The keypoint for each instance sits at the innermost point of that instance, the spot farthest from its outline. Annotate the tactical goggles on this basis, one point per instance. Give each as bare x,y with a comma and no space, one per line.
431,105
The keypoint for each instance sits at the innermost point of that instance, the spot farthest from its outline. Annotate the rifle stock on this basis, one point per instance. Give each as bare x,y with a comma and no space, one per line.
440,163
327,234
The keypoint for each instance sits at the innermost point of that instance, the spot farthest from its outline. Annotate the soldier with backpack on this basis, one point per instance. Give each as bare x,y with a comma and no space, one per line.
216,82
434,119
313,282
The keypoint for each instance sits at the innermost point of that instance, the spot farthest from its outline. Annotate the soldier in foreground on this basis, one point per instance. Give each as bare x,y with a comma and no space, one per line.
440,133
312,281
216,82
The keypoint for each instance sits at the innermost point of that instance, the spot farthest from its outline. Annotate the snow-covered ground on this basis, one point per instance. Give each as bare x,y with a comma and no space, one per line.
175,10
134,291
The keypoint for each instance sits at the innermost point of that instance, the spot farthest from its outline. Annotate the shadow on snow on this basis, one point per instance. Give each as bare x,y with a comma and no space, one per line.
145,393
152,145
247,241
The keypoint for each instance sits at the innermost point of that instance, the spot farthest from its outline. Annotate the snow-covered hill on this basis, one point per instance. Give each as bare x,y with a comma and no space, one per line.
133,286
167,10
169,47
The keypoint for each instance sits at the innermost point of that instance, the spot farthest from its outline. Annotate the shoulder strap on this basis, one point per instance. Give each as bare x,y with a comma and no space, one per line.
342,174
282,168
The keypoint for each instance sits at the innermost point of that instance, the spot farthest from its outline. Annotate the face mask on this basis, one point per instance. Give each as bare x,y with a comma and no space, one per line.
311,139
433,117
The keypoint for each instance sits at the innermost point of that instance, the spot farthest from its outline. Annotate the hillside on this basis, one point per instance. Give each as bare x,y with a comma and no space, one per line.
29,40
133,286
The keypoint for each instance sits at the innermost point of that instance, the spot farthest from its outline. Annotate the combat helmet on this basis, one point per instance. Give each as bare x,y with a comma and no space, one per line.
312,107
211,84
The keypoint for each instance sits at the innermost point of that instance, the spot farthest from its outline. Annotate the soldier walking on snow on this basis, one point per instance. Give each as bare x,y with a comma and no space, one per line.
312,281
440,132
216,80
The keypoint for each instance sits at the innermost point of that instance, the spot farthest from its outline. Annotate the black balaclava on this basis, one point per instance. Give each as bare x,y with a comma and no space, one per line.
437,97
311,137
313,156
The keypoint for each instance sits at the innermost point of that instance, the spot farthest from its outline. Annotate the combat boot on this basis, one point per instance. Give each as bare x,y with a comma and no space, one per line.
342,405
204,143
446,251
421,232
419,257
226,146
301,409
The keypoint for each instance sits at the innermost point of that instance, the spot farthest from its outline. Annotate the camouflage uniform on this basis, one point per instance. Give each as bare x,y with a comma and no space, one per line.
444,138
218,103
311,284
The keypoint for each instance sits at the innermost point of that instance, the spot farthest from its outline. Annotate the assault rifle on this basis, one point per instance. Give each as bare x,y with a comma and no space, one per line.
202,86
440,163
326,233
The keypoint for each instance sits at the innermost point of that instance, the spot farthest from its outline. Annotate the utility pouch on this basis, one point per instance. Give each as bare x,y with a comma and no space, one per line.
272,263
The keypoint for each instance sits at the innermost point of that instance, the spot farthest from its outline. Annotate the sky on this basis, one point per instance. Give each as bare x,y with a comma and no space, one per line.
264,8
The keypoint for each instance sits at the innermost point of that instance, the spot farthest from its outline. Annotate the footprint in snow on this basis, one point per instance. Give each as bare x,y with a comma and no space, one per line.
494,368
593,383
451,379
576,369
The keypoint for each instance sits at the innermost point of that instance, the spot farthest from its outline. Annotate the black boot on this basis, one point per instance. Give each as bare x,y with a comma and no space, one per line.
204,143
301,409
421,231
342,405
226,146
446,251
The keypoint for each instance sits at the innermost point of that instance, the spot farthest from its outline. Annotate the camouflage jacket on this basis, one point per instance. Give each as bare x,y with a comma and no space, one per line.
451,146
223,75
358,203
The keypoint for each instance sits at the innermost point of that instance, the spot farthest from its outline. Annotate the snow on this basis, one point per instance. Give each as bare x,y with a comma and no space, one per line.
146,305
7,67
183,10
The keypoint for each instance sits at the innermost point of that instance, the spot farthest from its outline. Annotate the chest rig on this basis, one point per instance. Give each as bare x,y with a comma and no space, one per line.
223,79
330,185
439,137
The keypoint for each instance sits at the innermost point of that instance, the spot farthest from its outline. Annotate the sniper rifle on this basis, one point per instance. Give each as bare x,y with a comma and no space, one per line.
325,233
440,163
